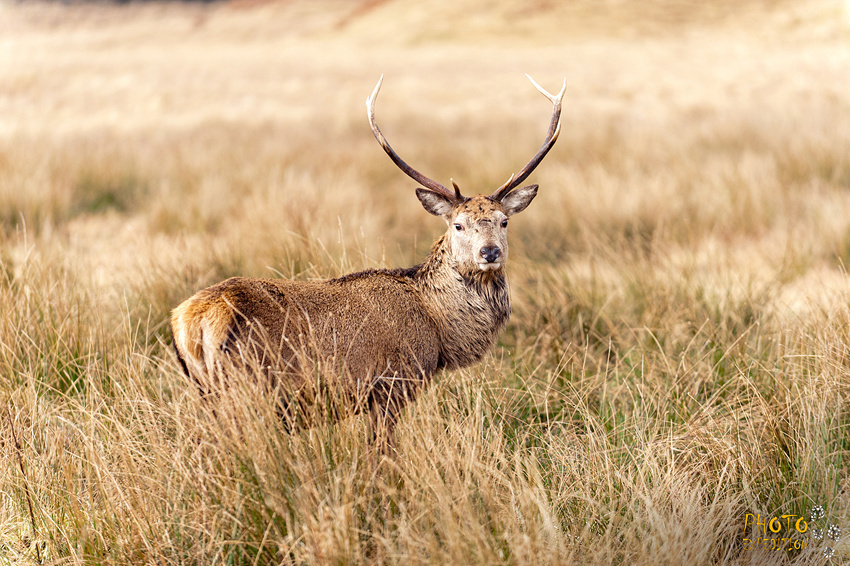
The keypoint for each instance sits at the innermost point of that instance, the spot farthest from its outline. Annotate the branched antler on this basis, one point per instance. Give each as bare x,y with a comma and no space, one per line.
551,137
513,181
429,184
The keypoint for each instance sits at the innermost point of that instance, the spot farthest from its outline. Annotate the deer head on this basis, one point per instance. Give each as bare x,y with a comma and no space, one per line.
477,226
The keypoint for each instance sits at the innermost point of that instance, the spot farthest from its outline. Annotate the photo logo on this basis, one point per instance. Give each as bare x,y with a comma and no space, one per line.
791,532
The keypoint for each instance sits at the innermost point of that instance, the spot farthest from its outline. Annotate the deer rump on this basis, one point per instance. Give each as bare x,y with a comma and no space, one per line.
363,341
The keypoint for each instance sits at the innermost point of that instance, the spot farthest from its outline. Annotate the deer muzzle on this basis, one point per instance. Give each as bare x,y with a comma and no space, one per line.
490,256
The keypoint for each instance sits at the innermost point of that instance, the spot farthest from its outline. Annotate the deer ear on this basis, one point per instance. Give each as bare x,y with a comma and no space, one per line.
516,201
435,203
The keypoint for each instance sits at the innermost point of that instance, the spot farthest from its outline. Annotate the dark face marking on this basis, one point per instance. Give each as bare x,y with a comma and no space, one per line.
478,206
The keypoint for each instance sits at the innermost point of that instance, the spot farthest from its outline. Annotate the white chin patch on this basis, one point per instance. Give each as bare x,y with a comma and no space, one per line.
489,266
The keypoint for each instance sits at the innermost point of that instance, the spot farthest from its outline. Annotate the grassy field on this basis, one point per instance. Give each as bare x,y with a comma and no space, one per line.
676,373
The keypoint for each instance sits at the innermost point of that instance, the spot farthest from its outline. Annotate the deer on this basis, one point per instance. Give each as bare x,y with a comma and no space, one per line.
385,331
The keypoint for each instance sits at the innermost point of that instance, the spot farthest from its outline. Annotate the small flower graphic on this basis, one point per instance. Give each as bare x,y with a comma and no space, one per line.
817,513
834,532
828,552
817,534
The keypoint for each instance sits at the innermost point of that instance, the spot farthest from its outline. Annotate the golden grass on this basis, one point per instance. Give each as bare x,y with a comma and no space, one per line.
677,356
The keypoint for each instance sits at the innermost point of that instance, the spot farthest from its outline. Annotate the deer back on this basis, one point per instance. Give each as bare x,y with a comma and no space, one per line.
372,323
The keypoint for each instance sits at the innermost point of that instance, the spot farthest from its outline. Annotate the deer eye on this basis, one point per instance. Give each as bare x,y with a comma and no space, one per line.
458,227
505,223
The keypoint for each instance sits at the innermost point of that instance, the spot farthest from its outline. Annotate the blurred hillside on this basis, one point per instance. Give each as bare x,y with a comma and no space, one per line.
476,20
545,21
152,64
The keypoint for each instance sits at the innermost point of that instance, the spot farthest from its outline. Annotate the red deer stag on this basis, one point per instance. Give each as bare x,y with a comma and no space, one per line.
384,331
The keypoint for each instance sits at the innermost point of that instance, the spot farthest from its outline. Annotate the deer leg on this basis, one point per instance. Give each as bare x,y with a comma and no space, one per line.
387,398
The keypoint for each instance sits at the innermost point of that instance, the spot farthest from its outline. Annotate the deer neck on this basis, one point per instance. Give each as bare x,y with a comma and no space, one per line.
469,309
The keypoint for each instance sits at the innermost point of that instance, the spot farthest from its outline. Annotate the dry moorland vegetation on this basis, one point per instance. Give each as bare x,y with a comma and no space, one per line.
677,361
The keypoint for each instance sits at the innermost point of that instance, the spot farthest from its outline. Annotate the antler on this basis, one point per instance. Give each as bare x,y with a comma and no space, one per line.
410,171
551,137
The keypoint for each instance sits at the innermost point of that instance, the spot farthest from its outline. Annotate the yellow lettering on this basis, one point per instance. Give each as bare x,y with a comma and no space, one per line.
762,525
778,525
805,525
788,518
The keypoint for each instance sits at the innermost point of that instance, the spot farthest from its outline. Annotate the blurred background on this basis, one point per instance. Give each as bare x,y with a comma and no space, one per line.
125,123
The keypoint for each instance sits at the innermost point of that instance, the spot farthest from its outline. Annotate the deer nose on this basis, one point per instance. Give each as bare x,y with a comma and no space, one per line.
491,254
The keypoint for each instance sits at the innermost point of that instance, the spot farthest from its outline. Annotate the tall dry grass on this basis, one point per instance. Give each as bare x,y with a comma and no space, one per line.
677,357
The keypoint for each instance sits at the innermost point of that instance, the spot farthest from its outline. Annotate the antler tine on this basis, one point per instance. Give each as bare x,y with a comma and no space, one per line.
554,99
410,171
551,138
